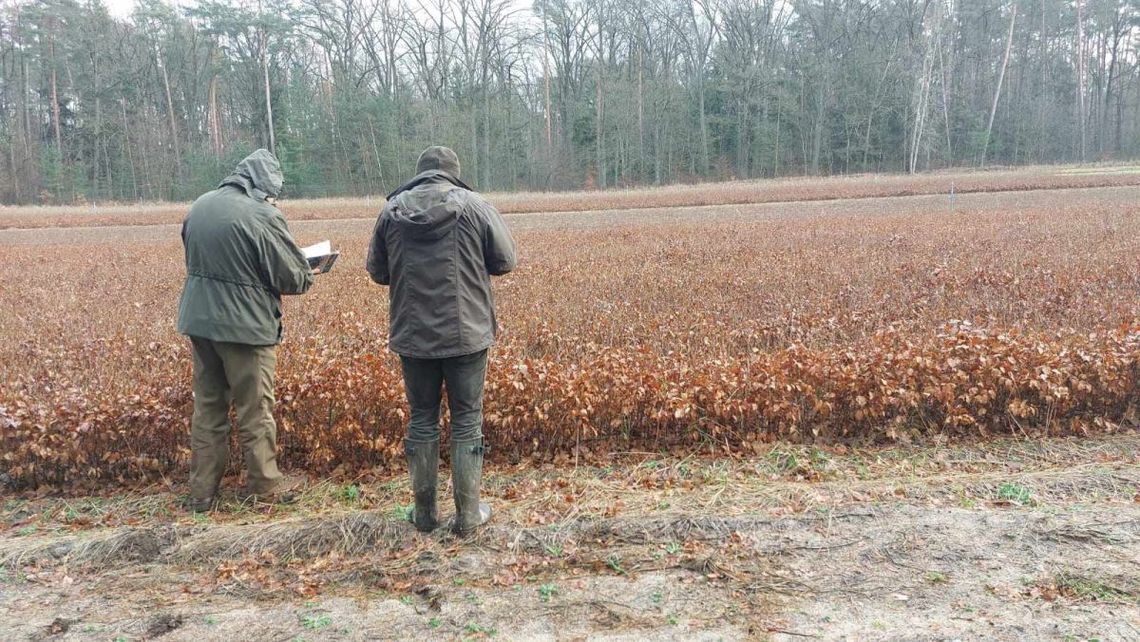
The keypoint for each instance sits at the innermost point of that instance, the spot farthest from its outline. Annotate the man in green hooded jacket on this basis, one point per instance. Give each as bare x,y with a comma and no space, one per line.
240,260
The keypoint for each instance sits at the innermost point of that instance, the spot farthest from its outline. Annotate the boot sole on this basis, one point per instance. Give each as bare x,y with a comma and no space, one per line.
464,532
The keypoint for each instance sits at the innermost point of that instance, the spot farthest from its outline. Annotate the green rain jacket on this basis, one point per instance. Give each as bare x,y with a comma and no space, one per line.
240,259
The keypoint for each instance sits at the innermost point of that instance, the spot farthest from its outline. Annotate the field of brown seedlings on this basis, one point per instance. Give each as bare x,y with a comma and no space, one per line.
718,331
729,193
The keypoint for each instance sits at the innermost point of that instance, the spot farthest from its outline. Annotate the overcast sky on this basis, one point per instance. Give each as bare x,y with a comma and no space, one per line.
120,8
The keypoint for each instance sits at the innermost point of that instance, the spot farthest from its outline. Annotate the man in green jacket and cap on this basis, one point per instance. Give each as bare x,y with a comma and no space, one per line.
436,246
240,260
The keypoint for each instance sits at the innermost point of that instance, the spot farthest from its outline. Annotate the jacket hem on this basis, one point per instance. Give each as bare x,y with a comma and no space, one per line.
221,338
447,354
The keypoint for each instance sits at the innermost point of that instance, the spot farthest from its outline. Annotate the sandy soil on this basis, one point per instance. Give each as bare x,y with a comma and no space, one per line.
1007,541
1030,540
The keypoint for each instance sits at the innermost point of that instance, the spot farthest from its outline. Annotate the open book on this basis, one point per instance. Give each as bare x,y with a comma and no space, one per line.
321,256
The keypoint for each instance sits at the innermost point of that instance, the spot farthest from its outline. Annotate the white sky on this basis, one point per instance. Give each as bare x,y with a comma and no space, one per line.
123,8
120,8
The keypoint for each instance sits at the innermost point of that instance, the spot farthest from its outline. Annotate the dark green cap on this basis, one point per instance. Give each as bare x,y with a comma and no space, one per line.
440,158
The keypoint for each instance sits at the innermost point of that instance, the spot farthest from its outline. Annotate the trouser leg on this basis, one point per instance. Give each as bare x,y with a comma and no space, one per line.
251,371
465,377
423,385
210,426
423,380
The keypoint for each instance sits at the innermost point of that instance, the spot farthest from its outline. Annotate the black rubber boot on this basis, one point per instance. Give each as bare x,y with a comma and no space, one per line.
466,478
192,505
423,467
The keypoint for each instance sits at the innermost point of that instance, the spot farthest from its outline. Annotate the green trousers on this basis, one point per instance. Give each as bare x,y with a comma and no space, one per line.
243,374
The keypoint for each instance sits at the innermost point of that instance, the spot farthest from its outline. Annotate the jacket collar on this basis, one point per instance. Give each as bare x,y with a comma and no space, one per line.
433,176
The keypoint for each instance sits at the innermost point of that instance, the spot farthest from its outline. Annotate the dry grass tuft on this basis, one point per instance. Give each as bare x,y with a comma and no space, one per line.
555,514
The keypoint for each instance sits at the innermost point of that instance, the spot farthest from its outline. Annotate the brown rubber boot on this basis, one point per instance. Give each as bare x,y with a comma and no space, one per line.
194,505
286,491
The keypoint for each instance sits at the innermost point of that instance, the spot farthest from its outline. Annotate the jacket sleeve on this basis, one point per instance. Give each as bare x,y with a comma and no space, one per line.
498,244
283,266
377,264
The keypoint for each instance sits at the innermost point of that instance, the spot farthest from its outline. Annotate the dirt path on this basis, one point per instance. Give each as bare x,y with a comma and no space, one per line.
1009,541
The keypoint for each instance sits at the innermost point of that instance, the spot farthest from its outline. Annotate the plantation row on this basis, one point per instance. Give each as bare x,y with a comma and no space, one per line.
349,417
732,193
629,335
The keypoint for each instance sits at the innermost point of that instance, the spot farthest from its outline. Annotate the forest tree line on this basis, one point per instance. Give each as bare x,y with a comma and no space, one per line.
555,94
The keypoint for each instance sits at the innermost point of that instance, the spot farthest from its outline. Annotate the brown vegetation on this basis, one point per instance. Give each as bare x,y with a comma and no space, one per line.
731,193
898,325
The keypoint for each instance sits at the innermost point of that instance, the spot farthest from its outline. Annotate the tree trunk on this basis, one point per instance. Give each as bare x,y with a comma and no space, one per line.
478,166
920,109
776,155
268,97
376,153
27,114
14,129
95,140
546,90
1001,78
943,81
55,103
742,143
1043,56
1082,114
640,111
867,139
704,126
212,116
169,110
488,183
1112,67
1119,143
817,129
130,154
599,133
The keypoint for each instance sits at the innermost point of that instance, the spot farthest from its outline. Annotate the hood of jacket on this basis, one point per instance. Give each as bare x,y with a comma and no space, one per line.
429,213
259,175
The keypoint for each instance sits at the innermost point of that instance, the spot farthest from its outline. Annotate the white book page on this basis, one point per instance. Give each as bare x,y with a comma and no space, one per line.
317,249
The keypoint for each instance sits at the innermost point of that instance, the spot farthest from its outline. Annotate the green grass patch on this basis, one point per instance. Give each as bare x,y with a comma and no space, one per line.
1015,493
1086,588
315,622
350,494
547,591
474,628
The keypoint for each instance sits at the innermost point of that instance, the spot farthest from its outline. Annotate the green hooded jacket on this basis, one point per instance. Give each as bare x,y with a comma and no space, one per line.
240,259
